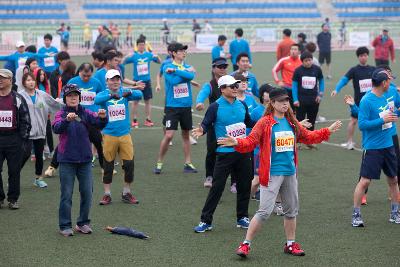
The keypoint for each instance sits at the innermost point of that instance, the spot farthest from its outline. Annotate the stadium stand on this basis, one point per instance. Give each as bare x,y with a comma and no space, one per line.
33,10
367,9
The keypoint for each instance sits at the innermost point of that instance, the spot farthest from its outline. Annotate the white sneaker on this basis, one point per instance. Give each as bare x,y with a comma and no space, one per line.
348,145
192,140
170,143
50,172
321,119
208,182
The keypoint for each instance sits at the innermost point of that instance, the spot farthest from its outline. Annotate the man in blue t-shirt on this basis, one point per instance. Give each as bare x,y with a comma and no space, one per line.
237,46
243,62
218,50
141,72
375,120
48,64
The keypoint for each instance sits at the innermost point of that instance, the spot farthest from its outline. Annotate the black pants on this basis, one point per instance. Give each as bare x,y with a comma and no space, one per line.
379,62
10,150
96,139
49,136
211,154
238,165
310,110
290,94
54,162
38,147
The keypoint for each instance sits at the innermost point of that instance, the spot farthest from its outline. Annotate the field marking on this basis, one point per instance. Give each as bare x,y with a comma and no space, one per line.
338,145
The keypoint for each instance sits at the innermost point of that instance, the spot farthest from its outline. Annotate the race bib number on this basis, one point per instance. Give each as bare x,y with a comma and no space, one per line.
116,112
49,61
237,130
21,61
388,124
222,53
181,90
6,118
142,69
365,85
87,98
284,141
308,82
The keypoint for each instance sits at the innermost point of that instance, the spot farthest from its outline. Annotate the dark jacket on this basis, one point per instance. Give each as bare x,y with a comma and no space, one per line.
324,42
55,82
23,119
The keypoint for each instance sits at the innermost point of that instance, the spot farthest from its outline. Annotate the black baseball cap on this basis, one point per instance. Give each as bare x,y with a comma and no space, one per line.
278,94
380,75
220,61
175,47
69,89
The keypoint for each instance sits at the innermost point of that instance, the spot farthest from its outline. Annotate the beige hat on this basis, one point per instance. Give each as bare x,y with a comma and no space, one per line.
19,44
6,73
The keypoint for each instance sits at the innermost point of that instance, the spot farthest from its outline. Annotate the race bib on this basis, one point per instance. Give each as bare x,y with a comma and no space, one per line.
21,61
6,118
116,112
388,124
222,53
365,85
142,69
308,82
87,98
237,130
49,61
181,90
284,141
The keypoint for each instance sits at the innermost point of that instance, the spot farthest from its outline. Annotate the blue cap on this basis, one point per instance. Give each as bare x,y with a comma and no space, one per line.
380,75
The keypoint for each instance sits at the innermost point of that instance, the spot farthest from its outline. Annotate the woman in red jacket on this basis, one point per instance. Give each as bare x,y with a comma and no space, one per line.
277,133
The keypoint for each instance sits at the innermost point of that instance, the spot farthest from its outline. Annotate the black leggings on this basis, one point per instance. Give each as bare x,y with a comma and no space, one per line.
309,109
49,136
38,147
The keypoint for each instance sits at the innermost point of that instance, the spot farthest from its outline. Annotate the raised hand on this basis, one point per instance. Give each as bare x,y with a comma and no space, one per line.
197,132
335,126
349,100
227,141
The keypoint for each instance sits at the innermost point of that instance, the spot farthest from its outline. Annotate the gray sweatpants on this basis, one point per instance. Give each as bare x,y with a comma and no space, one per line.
287,187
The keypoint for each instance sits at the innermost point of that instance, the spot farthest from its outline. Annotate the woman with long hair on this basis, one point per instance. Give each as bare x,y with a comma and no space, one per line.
277,133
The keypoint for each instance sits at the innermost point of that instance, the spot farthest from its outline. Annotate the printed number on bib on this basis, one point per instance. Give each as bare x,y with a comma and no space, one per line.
49,61
6,118
221,53
237,130
87,98
181,90
284,141
365,85
388,124
116,112
142,69
308,82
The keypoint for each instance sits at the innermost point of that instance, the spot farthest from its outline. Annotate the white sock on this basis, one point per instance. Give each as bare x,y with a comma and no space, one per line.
289,242
126,190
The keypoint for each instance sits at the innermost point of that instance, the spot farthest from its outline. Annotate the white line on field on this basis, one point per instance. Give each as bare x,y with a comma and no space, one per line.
338,145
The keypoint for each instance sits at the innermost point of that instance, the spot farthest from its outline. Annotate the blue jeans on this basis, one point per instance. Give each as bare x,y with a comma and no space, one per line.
68,171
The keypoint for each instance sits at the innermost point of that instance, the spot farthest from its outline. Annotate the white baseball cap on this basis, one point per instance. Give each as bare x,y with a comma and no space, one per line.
19,44
112,73
227,80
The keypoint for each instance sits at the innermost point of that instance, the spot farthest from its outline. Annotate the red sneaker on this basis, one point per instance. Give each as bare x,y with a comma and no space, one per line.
243,250
135,124
148,123
129,198
105,200
364,200
294,249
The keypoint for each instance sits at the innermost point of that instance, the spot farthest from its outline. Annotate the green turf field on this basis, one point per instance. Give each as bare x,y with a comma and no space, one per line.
171,204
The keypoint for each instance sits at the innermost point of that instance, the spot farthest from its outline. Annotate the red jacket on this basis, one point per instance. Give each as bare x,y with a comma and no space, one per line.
382,50
261,134
286,66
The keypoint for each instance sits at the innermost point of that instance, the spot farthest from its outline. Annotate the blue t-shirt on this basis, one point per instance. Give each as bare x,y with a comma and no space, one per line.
42,87
251,105
33,97
117,111
375,133
141,65
252,84
204,93
216,52
282,142
19,59
48,64
238,46
258,112
100,75
227,118
89,90
167,60
178,90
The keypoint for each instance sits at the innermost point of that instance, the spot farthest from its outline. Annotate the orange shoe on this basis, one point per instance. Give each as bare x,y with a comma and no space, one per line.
148,123
135,123
364,200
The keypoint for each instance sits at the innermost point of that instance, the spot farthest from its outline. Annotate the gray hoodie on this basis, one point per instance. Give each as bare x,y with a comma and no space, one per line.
39,112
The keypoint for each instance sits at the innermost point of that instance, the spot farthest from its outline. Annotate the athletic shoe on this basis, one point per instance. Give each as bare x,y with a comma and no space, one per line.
192,140
294,249
189,168
348,145
208,182
129,198
148,123
67,232
243,250
170,143
50,171
233,188
202,227
105,200
93,160
40,183
329,77
243,223
135,123
356,220
83,229
395,217
278,210
320,119
158,168
33,158
364,200
13,205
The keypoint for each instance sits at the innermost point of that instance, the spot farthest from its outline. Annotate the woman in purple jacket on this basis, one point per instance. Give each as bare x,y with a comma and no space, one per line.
75,156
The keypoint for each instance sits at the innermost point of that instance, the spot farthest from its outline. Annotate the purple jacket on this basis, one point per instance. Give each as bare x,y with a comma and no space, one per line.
74,145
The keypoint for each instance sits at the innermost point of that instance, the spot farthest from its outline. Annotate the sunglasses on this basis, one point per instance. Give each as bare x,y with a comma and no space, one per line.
222,67
232,86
